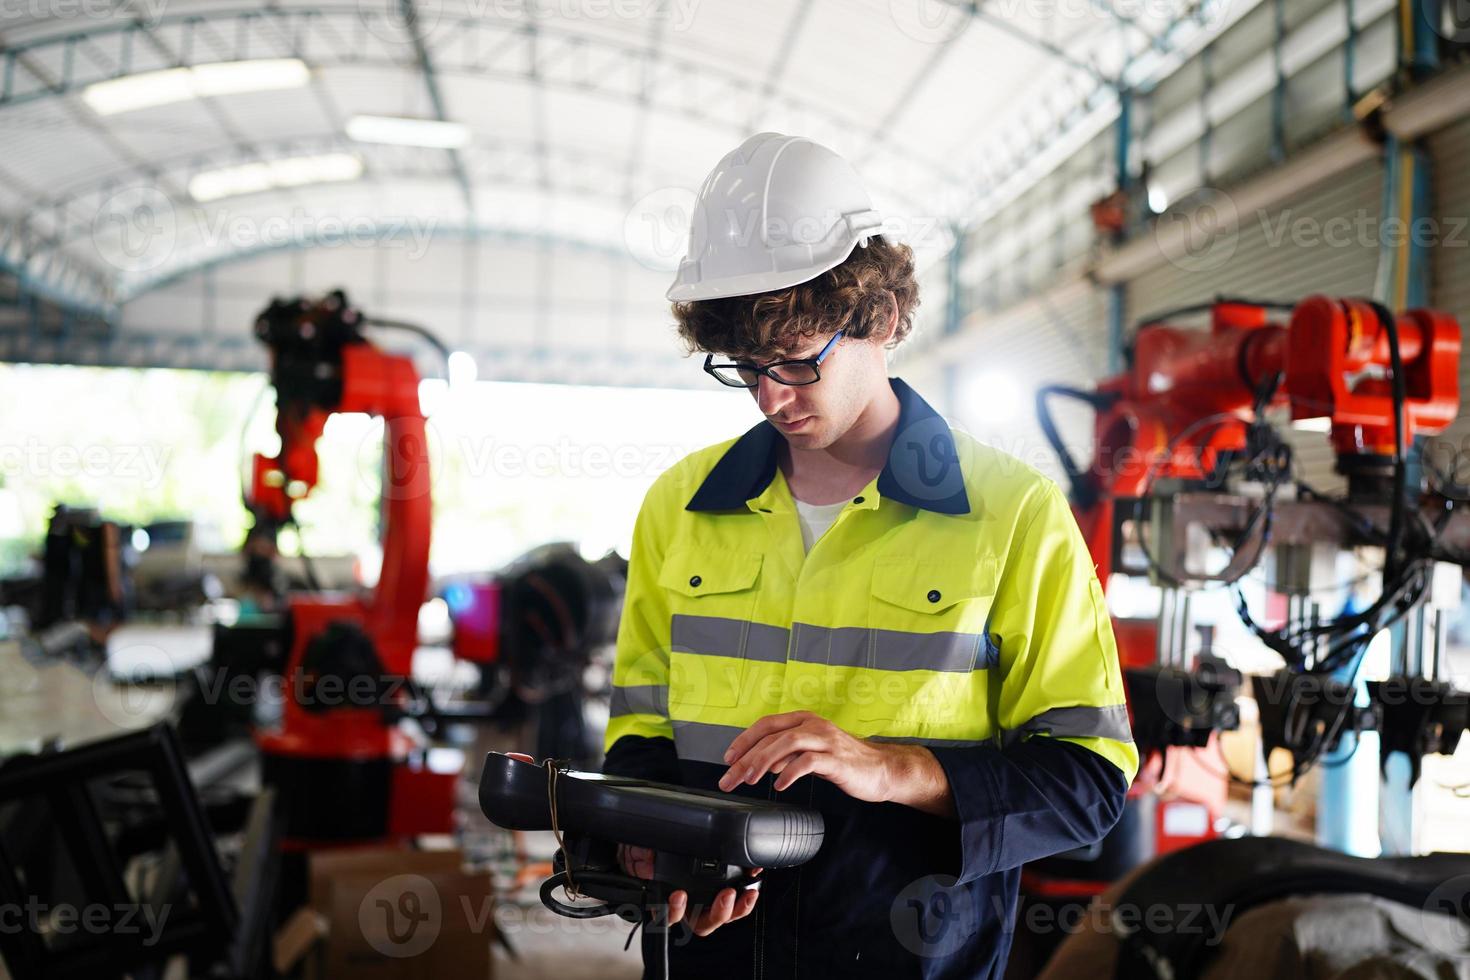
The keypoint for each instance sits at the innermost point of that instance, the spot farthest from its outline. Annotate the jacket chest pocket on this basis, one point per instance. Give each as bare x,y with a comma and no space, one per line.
711,598
927,638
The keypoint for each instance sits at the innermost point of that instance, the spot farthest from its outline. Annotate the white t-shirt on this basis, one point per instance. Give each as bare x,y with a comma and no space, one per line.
815,519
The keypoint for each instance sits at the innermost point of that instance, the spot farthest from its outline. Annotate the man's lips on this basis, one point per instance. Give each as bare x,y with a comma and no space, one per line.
793,425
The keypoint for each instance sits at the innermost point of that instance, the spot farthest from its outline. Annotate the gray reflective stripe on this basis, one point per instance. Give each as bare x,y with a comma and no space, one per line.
895,650
696,741
766,643
840,646
719,637
938,743
1083,722
844,646
640,699
853,646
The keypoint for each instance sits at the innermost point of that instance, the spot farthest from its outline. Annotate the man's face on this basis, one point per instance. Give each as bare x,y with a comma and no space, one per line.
815,416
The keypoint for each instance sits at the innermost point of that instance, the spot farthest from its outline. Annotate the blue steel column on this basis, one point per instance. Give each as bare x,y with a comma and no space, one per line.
1403,283
1118,291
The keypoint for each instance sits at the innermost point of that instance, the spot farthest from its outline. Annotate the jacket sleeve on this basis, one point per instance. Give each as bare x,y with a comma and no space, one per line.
1060,774
639,739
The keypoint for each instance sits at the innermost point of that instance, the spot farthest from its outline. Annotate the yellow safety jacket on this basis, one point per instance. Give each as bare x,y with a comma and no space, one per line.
952,603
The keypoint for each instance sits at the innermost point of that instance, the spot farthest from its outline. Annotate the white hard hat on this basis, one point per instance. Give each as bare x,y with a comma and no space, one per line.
776,211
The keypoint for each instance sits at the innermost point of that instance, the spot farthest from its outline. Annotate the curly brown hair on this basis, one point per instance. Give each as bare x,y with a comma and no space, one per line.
851,296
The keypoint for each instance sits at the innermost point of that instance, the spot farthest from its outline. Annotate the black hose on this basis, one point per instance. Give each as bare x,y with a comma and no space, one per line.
1083,489
413,328
1192,308
1400,463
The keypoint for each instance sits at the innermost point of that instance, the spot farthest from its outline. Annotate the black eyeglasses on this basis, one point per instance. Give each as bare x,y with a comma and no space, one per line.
798,372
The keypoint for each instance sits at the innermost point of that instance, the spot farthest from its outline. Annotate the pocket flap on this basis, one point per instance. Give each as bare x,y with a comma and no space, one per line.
932,586
703,571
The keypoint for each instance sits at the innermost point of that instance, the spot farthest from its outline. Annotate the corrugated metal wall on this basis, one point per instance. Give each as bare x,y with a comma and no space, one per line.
1449,152
1057,337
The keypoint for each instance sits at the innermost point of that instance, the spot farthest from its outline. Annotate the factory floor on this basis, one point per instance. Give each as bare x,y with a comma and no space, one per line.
551,947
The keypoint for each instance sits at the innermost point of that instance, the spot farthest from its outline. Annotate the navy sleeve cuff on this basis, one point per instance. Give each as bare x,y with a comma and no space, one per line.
638,757
1028,801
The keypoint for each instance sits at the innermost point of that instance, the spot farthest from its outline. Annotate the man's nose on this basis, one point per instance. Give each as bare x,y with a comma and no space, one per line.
772,396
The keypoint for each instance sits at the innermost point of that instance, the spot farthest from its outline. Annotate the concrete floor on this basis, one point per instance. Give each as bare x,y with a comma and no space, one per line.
551,946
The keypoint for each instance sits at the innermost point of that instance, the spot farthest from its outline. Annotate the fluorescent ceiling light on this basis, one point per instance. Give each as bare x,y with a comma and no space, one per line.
252,178
155,88
259,75
403,131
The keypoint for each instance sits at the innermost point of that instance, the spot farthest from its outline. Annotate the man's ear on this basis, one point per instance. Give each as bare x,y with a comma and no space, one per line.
892,326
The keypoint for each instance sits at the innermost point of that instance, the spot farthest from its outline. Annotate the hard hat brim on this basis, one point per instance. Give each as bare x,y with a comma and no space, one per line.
754,283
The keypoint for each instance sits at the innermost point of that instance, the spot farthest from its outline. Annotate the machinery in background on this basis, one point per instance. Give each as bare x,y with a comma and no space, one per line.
345,766
116,827
1190,485
82,587
352,754
169,572
536,629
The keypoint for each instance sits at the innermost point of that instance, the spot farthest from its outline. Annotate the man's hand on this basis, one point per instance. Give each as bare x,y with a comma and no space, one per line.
801,743
727,906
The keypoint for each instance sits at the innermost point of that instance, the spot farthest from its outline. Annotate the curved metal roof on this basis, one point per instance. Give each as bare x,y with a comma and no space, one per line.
591,121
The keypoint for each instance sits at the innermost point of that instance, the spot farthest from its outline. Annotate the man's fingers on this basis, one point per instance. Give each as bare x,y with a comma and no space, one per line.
717,914
770,723
636,861
678,904
805,763
767,753
746,904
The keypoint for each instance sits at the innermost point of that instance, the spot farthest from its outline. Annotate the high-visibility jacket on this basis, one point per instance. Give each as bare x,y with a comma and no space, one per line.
953,604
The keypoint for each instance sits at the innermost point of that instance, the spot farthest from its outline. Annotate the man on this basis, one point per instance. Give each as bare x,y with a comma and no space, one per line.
853,608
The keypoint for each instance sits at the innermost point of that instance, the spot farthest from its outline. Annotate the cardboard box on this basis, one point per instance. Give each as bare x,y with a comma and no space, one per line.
400,915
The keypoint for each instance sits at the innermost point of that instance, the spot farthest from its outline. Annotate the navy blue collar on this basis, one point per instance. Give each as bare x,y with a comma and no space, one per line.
922,470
